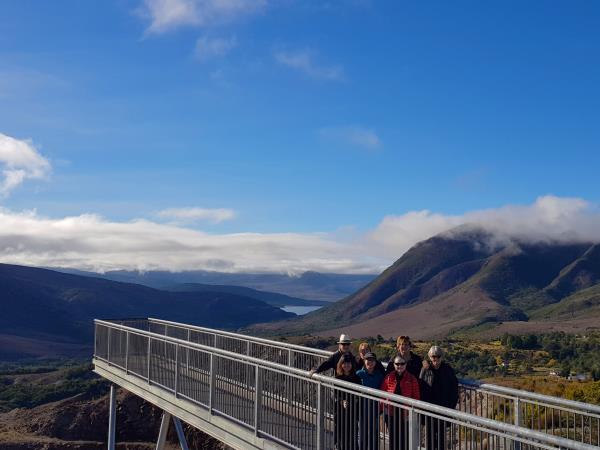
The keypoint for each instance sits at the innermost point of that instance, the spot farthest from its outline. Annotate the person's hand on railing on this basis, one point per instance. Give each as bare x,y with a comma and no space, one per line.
311,372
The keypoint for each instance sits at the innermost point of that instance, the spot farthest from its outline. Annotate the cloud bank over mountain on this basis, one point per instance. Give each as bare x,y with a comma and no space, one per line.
91,242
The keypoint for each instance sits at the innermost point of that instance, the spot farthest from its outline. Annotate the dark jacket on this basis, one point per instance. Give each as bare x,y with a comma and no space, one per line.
409,386
332,361
346,400
373,380
439,386
352,378
414,365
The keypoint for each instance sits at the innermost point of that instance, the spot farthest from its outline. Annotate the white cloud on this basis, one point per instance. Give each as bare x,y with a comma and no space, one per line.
187,215
92,243
303,60
352,135
207,48
167,15
19,160
549,218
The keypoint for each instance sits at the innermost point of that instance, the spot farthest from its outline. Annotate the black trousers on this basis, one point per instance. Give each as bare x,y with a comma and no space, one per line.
397,426
435,433
369,424
346,422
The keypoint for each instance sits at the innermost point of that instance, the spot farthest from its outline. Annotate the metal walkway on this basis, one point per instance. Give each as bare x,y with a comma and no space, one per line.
255,393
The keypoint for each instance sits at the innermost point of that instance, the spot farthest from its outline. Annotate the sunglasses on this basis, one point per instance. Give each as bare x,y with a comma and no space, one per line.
399,364
435,357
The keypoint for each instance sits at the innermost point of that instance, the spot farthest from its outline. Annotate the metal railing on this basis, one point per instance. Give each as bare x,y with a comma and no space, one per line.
280,402
560,417
552,415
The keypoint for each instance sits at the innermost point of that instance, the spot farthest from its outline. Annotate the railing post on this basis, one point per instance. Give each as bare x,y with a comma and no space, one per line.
148,357
517,419
176,368
320,418
211,383
413,430
289,357
112,417
108,350
126,352
247,348
257,398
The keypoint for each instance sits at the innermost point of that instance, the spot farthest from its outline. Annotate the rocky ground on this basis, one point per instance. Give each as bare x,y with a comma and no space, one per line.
81,423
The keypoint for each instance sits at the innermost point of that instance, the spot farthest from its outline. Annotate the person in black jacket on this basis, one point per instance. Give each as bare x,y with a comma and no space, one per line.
414,362
347,406
439,386
332,362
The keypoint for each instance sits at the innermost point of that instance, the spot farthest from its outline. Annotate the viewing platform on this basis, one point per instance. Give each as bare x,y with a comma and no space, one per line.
253,393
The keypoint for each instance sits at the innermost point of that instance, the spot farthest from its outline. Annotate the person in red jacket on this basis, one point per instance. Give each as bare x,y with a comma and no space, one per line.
399,382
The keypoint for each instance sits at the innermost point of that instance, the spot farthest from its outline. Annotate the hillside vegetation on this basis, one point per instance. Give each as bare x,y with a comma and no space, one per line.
469,281
48,313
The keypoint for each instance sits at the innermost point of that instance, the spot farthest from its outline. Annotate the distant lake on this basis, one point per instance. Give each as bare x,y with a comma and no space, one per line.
300,310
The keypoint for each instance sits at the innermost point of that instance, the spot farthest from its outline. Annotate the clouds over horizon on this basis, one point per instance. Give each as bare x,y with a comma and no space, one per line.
90,242
19,161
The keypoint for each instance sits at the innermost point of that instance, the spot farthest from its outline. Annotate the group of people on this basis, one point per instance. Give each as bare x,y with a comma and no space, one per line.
357,419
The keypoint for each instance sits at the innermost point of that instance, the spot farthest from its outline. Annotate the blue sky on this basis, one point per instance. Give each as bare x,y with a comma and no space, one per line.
288,119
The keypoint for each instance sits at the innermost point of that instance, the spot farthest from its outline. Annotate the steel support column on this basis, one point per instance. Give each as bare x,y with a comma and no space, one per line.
164,429
112,417
180,434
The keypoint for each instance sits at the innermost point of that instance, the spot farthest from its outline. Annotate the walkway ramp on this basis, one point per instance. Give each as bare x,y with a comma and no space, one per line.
254,393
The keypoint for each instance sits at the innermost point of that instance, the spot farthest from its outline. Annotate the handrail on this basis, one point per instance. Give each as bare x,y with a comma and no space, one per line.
245,337
515,432
516,393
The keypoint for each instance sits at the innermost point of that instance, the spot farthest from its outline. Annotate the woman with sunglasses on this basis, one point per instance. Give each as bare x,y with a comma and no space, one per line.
440,387
399,382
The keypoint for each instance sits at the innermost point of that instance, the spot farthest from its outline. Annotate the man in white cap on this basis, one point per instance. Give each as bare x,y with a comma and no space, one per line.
331,363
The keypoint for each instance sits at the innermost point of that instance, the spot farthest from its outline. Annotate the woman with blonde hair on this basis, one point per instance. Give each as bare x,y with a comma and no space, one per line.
414,362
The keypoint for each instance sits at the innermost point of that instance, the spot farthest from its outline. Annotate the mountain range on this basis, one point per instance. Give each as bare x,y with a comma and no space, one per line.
308,285
49,313
469,281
